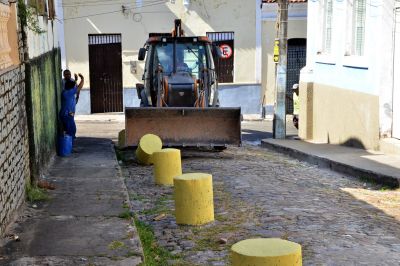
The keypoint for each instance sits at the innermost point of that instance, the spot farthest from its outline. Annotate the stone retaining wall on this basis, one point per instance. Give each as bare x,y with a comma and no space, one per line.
43,83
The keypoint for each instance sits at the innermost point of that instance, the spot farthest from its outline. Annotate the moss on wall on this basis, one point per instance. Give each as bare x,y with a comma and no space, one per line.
43,100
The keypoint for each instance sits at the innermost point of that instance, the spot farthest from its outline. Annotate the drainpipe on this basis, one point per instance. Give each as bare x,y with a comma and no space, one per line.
395,10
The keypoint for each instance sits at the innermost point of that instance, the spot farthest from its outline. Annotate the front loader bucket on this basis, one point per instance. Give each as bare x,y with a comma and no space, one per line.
184,126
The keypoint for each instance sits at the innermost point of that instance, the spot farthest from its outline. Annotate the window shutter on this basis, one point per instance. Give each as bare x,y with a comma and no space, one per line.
33,3
359,26
52,12
39,6
328,26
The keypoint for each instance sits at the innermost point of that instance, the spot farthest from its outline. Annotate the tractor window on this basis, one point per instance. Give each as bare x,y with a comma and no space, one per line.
163,55
190,58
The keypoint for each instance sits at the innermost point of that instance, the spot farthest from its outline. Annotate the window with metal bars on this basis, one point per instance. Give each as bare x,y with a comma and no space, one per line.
224,66
359,14
327,30
104,38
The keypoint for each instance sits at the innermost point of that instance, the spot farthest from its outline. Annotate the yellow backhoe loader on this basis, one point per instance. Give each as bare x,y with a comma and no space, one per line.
179,95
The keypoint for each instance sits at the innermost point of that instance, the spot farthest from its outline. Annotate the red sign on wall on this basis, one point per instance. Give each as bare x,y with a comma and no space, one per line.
226,51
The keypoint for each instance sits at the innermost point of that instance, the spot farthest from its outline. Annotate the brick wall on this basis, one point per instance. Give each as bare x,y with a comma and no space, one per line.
14,144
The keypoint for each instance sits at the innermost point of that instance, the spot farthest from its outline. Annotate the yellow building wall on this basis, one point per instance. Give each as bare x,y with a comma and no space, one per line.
338,116
296,29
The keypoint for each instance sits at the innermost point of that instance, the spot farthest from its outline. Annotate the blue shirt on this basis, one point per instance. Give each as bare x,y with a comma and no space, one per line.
68,101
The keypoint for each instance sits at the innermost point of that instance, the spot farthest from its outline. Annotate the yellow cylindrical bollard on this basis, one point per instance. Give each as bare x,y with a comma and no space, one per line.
167,165
148,144
121,139
266,251
194,203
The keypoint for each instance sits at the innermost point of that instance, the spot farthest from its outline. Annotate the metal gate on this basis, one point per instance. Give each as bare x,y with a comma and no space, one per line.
105,66
224,66
296,60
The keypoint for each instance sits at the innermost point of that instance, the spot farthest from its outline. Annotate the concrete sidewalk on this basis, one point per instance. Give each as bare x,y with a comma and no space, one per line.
79,225
374,166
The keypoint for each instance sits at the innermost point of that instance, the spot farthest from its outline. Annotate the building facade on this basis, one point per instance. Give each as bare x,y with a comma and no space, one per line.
349,91
297,43
123,29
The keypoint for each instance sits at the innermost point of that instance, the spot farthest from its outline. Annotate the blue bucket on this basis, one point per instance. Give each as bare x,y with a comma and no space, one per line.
64,145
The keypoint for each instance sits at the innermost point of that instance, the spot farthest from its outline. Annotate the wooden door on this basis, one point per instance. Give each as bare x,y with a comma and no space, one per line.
105,66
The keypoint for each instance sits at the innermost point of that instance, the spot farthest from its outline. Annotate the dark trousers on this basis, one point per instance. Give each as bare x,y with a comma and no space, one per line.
69,125
296,121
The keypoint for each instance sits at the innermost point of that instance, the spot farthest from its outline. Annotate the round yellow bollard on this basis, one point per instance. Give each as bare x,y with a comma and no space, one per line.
148,144
121,139
167,165
194,203
266,251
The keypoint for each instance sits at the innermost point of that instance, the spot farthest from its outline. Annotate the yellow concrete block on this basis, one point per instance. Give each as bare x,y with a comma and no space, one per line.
148,144
266,251
121,139
194,202
167,165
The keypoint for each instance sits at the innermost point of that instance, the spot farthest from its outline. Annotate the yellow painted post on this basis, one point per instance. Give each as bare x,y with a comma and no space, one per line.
194,202
121,139
148,144
266,251
167,165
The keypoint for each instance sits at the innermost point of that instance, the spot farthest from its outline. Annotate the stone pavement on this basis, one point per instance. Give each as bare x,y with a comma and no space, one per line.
368,165
338,219
79,225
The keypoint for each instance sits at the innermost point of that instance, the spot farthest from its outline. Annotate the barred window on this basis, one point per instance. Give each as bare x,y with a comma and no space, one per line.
359,14
224,66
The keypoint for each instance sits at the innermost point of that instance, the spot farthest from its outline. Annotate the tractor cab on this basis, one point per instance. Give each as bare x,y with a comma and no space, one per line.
179,68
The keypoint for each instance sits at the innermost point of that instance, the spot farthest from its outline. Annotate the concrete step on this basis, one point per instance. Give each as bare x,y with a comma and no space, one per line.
390,146
373,166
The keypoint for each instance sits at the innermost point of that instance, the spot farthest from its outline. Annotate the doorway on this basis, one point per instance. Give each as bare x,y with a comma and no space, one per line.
224,65
105,67
296,60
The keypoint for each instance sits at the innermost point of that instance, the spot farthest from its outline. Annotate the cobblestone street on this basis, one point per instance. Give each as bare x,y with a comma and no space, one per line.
338,220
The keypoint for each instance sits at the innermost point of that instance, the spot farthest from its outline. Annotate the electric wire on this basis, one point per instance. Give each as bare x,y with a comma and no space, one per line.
102,4
117,11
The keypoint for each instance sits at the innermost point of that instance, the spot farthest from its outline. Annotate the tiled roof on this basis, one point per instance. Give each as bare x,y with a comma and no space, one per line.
290,1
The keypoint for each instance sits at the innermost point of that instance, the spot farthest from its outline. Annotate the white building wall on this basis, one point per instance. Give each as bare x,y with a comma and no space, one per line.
60,29
385,65
136,22
297,28
373,73
41,43
356,73
396,69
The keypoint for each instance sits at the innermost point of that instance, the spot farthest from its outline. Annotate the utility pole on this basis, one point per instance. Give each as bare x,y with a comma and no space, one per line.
279,123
